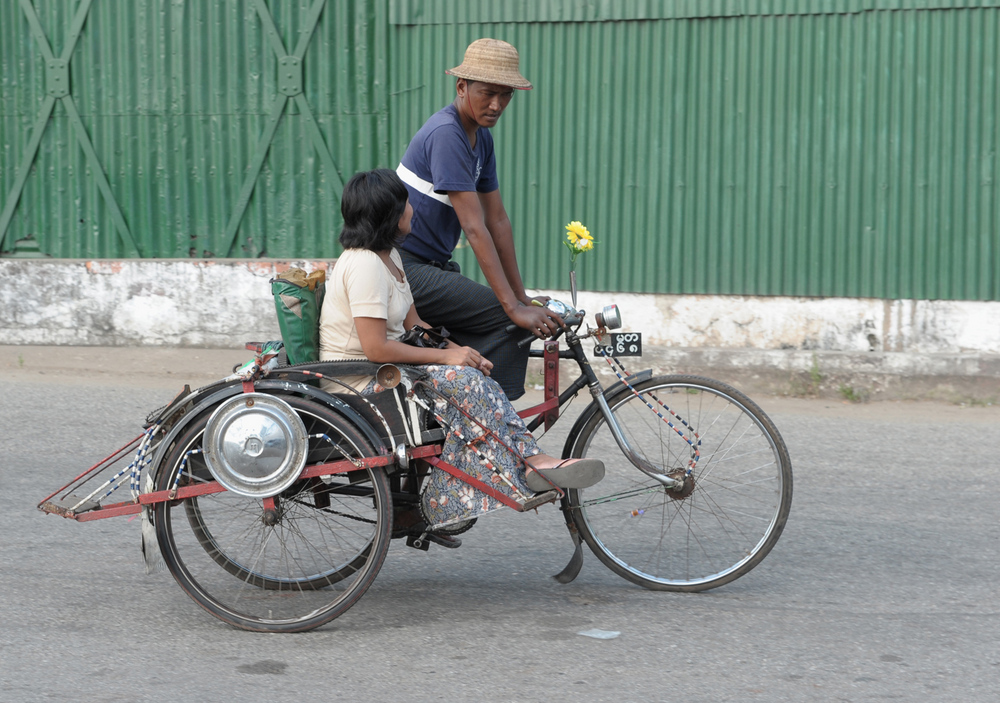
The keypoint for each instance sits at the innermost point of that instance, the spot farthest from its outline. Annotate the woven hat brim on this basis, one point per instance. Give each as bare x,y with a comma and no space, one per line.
512,80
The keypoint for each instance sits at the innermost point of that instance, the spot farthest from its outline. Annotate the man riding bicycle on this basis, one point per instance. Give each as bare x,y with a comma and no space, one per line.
449,170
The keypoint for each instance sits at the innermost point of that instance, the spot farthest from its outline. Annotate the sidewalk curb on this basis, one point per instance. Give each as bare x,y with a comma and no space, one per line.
971,379
854,376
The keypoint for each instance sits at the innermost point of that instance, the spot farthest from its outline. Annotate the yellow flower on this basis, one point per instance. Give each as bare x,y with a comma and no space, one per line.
575,231
578,240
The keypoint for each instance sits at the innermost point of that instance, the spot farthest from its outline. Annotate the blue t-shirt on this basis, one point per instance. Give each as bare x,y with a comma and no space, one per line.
440,159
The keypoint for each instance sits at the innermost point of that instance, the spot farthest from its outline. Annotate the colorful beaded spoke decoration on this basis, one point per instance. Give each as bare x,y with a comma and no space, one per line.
615,365
133,470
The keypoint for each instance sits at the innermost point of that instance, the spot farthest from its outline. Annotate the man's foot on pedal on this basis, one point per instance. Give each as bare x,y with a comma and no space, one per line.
444,540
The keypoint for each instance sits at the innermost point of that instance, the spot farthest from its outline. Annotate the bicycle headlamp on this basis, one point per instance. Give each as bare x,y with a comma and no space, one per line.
609,317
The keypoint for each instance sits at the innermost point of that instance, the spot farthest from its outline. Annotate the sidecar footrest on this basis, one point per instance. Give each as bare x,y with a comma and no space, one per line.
69,506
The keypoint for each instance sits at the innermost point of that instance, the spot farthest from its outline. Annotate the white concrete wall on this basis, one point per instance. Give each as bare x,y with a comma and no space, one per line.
131,303
822,324
224,303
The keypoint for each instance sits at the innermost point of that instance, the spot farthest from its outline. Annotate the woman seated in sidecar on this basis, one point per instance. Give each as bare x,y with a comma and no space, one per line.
367,309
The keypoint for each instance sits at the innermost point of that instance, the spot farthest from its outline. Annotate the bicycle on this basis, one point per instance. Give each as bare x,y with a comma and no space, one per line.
273,501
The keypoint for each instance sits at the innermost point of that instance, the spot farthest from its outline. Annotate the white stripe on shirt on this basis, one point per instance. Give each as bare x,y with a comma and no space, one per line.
420,185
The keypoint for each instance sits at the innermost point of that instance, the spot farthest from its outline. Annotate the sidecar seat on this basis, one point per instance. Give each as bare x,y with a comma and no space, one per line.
408,423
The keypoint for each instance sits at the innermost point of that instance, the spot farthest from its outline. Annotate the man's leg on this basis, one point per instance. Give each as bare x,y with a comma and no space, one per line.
473,315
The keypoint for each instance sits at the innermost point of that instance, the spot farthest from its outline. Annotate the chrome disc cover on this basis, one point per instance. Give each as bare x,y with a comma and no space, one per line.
255,445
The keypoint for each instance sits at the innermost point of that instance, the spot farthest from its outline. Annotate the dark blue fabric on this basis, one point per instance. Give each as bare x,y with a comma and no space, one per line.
440,154
472,314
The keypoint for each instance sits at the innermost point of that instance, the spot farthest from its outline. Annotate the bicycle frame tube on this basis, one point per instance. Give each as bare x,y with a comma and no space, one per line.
597,391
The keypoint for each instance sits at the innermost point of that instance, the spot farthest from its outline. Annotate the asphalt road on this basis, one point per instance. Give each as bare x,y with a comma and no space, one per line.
883,586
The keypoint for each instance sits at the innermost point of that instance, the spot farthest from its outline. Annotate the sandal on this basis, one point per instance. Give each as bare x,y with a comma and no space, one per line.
571,473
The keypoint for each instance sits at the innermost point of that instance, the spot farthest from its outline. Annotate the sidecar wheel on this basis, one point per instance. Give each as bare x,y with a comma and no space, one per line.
291,569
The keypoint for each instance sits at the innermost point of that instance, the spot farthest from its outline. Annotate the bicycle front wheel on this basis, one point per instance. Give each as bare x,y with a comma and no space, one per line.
737,485
287,569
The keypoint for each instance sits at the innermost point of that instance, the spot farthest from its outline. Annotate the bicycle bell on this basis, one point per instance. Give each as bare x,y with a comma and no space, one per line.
609,317
388,376
568,313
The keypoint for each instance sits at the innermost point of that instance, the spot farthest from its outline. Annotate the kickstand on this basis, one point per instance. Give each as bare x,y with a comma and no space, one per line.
572,569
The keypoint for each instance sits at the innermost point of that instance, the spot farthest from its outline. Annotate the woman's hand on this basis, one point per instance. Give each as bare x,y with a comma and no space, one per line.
466,356
372,334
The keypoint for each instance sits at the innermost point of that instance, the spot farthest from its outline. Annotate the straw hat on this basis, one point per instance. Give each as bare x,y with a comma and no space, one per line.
491,61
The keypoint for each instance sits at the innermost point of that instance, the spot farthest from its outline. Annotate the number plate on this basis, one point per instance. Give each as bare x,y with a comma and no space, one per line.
622,344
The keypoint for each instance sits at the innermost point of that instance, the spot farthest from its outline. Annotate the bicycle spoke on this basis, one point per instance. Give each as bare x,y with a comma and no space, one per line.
721,521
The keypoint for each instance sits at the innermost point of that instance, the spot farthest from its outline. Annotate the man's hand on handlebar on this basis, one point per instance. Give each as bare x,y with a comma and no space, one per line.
540,321
538,300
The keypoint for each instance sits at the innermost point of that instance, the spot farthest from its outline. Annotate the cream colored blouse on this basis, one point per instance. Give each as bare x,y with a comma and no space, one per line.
360,286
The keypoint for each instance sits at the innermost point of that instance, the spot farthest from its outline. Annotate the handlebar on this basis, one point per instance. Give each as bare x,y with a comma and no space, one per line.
511,328
573,317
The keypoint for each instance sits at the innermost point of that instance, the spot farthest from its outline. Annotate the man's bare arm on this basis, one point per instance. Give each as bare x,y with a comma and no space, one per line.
471,216
498,224
472,219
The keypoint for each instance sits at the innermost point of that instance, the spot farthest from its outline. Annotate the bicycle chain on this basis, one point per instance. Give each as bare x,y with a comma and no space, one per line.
332,512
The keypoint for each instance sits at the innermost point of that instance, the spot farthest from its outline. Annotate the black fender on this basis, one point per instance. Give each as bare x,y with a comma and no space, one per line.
610,393
184,410
324,398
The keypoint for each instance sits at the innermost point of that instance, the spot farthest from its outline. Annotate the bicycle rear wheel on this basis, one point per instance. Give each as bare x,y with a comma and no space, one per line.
734,503
287,570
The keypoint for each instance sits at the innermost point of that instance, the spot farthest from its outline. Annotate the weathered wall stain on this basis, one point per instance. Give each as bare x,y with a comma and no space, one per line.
224,303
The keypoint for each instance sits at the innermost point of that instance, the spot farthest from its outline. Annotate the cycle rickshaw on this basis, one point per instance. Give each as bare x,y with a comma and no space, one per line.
273,501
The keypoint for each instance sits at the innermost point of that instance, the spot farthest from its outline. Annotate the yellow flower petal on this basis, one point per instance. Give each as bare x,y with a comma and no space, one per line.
576,228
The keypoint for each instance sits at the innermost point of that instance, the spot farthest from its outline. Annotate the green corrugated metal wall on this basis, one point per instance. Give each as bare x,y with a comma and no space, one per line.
766,147
177,98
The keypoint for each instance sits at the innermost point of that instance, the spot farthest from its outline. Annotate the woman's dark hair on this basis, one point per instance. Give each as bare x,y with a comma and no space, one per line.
372,203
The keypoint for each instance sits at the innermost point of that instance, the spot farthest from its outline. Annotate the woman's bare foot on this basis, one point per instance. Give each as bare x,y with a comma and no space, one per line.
544,461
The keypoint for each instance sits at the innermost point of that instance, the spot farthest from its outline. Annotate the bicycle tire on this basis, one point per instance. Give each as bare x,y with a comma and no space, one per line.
735,503
317,454
312,563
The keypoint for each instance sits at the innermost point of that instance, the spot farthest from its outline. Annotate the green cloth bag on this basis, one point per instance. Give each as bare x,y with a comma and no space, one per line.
298,298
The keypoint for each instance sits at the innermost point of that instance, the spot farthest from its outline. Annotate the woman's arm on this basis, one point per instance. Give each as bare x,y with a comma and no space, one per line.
412,318
380,349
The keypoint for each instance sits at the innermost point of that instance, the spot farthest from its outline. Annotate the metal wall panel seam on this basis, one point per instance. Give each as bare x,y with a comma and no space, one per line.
431,12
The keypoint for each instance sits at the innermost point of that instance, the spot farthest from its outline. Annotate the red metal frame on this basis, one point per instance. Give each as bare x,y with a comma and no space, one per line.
99,465
548,409
210,487
474,482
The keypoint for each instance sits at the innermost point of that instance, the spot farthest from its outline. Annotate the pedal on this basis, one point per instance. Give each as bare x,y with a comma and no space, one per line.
417,542
423,541
539,499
